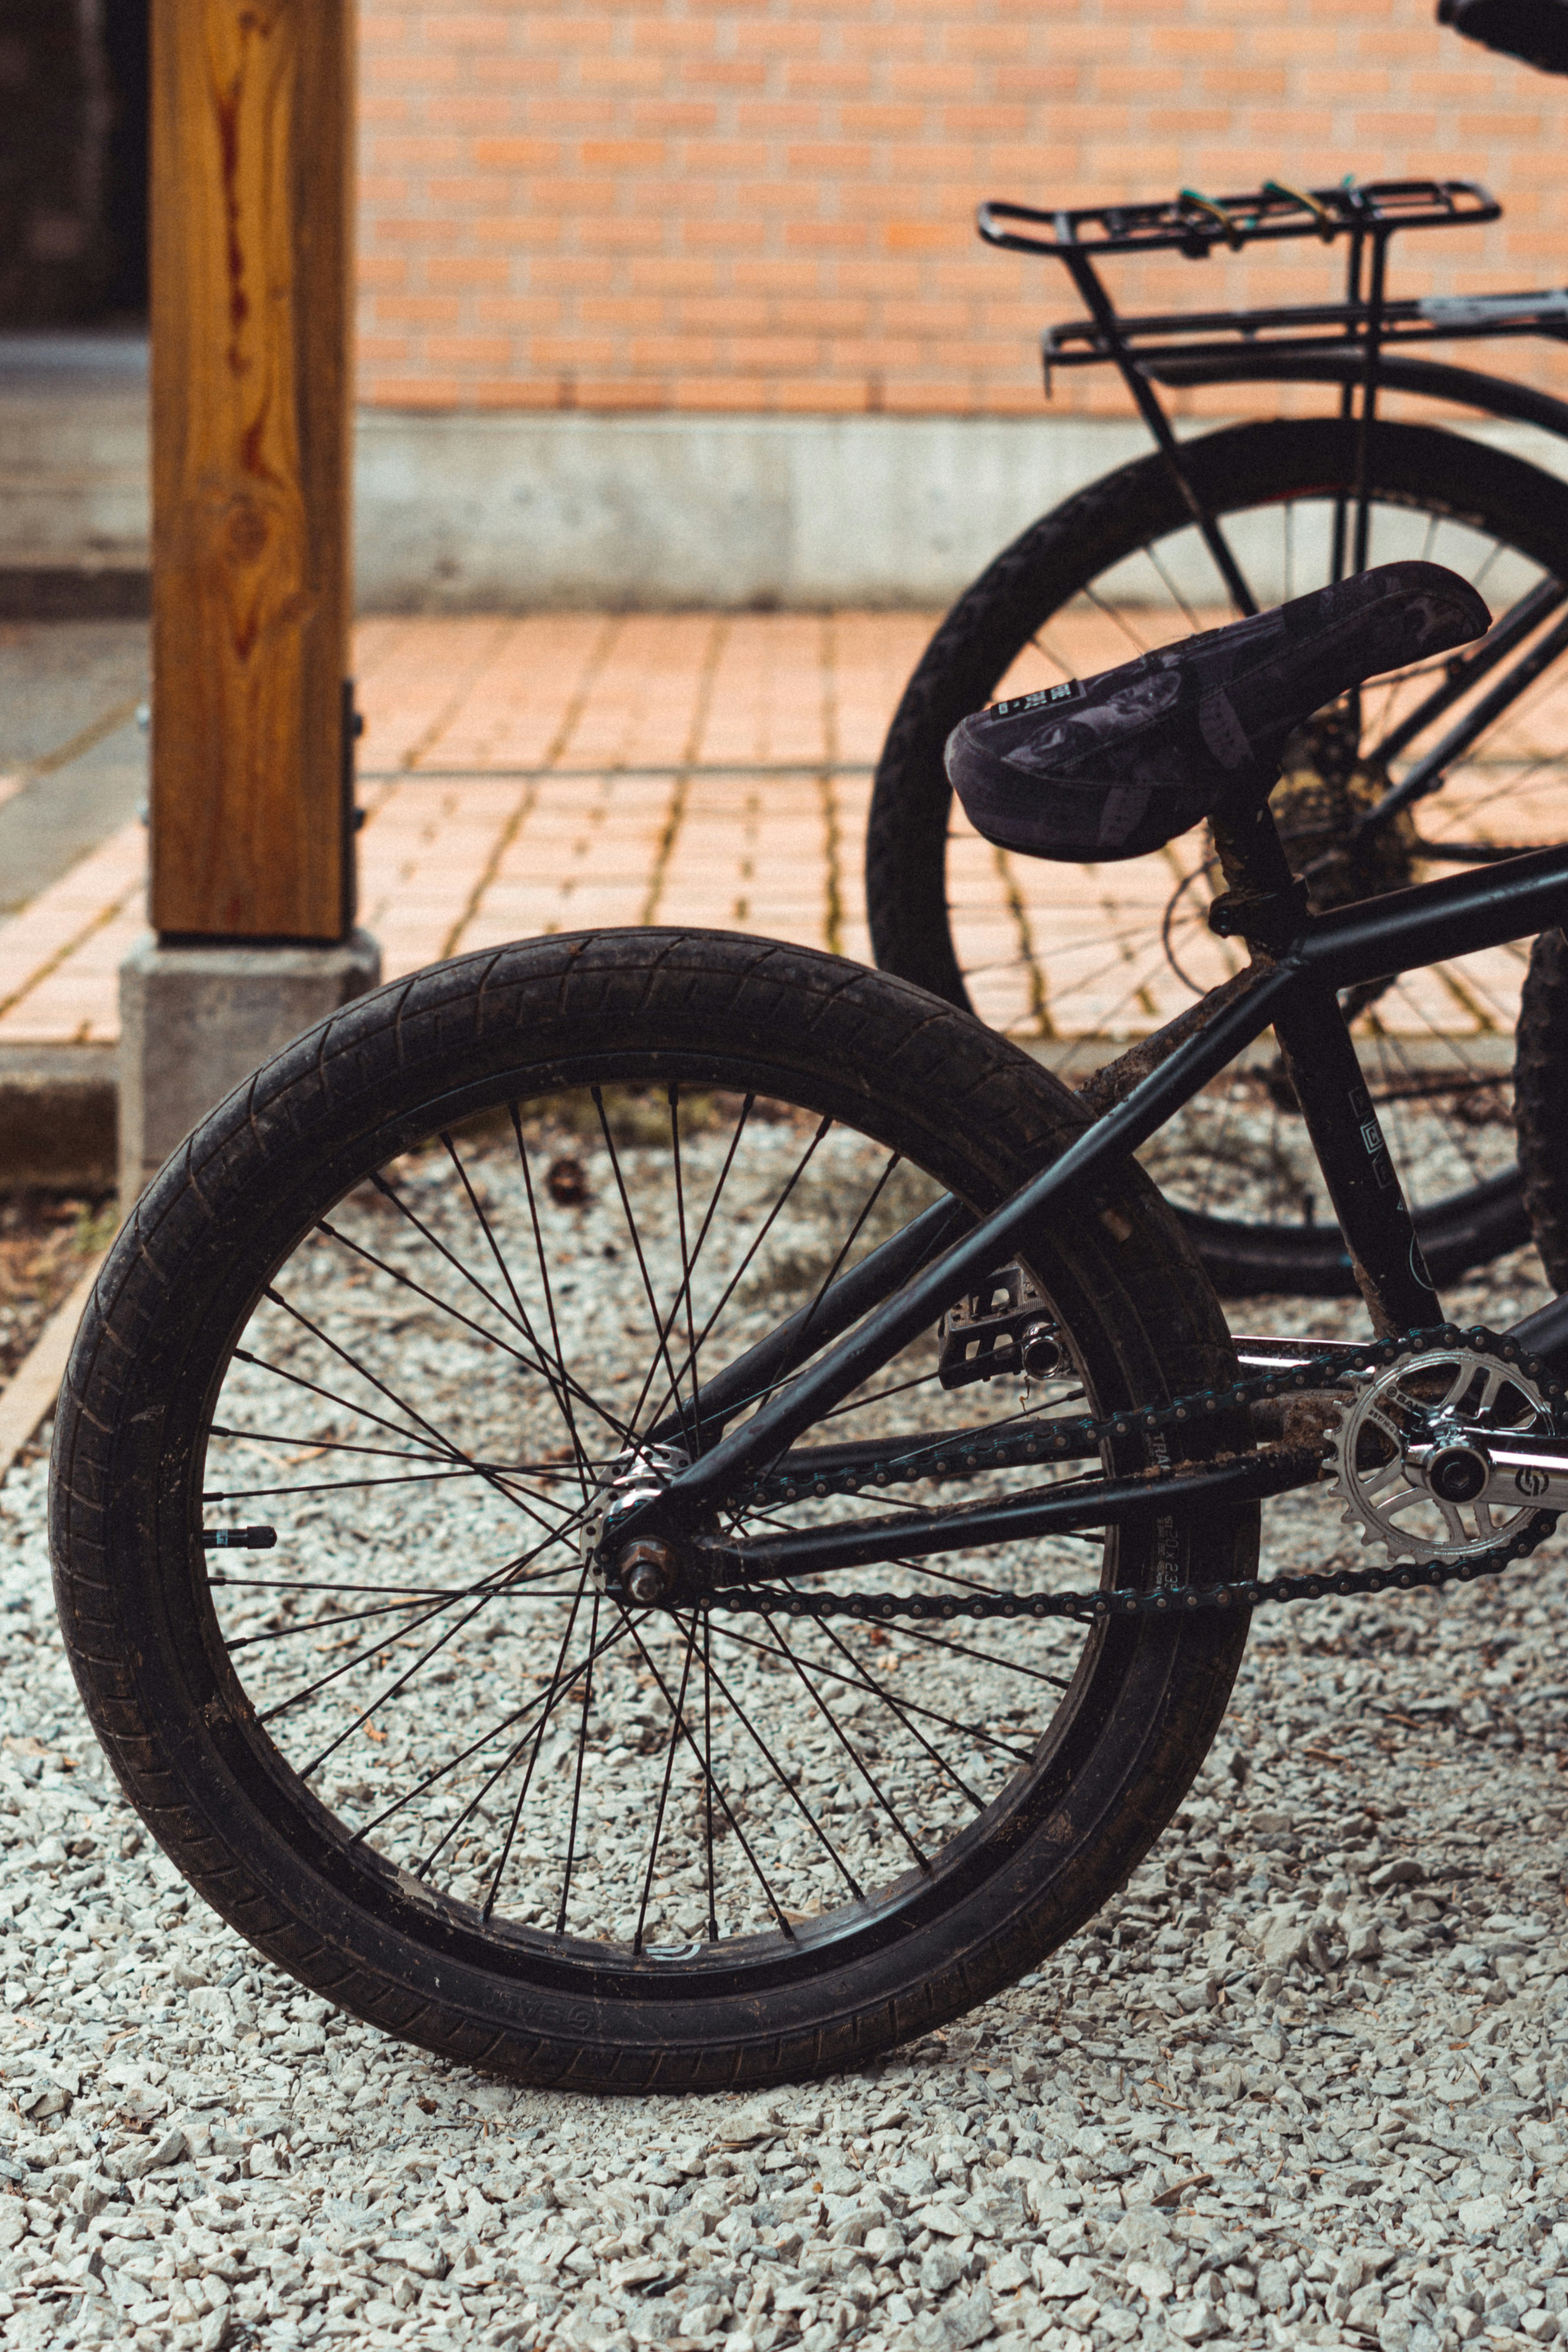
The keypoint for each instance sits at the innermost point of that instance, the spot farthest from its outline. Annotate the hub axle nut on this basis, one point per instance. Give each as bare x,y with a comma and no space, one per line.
646,1571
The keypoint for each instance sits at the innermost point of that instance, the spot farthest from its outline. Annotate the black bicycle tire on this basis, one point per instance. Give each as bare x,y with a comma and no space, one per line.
1236,467
196,1252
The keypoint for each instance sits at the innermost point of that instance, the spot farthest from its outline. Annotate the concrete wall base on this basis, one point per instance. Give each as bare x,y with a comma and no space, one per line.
195,1020
502,513
511,510
57,1118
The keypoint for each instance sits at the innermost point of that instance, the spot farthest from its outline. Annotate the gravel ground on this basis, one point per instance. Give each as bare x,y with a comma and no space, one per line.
46,1242
1298,2084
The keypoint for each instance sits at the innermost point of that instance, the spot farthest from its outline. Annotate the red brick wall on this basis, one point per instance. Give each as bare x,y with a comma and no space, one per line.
703,204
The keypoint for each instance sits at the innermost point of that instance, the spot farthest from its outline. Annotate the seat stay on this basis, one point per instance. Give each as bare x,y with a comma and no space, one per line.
764,1367
751,1449
1146,400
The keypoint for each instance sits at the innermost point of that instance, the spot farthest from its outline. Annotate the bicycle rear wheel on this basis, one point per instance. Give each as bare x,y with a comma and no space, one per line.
406,1298
1077,962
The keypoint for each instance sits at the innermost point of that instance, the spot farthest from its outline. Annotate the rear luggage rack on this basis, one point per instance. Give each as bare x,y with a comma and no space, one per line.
1341,342
1194,224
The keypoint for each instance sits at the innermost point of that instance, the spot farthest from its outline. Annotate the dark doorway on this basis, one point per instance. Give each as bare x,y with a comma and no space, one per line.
73,160
126,71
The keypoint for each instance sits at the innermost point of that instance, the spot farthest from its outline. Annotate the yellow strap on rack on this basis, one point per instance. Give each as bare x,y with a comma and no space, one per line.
1327,222
1196,202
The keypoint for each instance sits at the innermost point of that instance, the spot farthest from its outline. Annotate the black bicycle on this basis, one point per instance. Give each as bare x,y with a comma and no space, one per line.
1450,764
658,1509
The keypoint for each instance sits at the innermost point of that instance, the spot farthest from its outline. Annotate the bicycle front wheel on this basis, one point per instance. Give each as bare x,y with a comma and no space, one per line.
1077,962
413,1300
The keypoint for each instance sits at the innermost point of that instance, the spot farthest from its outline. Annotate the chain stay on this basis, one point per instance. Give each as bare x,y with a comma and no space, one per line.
1161,1600
1070,1440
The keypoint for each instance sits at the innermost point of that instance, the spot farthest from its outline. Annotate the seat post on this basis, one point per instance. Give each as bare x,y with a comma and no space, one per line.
1263,901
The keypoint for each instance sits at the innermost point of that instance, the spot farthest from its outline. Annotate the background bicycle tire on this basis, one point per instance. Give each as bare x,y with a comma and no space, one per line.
1274,484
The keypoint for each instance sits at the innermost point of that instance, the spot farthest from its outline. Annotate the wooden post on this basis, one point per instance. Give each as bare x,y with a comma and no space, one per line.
252,142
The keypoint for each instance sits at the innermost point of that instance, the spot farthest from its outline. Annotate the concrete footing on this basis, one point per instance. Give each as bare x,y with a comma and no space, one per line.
57,1117
195,1021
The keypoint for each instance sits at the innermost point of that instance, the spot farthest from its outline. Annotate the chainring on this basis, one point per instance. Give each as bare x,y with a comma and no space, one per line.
1421,1397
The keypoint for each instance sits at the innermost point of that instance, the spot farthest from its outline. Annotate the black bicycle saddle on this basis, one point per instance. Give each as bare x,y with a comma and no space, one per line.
1535,31
1116,765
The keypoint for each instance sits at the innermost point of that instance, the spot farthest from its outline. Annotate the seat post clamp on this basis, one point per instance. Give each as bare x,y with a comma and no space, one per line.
1271,920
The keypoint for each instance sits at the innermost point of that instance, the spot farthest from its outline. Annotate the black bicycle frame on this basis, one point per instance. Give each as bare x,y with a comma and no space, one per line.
1296,993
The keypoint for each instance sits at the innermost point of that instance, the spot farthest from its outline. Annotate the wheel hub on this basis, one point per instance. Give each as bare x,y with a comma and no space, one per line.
643,1572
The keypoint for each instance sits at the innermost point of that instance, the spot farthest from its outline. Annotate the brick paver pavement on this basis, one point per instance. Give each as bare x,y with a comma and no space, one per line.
569,770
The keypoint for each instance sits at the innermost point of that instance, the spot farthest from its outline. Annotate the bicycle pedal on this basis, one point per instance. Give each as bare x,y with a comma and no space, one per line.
1003,1327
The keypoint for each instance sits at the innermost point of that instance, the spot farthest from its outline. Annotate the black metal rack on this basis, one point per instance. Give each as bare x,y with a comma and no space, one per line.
1355,334
1195,224
1204,335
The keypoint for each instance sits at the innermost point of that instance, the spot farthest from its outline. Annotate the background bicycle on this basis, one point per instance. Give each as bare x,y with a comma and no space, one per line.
1445,765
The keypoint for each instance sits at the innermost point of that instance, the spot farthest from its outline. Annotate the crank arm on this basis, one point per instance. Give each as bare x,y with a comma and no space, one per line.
1470,1465
653,1572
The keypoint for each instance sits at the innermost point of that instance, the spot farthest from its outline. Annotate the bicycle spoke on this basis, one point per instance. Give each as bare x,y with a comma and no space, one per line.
744,1266
855,1759
549,1289
454,1763
967,1650
676,1728
660,1328
337,1445
406,1282
747,1107
828,1281
660,1776
341,1486
684,1296
571,1395
576,1777
276,1298
793,1793
902,1708
422,1868
523,1317
761,1876
859,1681
396,1689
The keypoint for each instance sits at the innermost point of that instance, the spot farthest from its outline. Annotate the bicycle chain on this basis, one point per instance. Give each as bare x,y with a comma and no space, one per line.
1085,1433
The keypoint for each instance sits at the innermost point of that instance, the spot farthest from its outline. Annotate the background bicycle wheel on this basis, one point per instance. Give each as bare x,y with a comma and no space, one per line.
1077,961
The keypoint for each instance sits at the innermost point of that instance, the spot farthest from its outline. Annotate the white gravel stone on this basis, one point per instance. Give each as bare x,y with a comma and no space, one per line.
1325,2026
